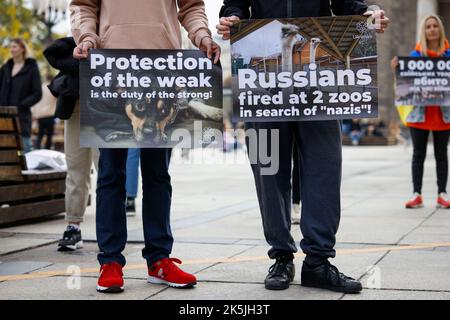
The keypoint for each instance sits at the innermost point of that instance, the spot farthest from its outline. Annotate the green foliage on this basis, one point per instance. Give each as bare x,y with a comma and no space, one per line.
17,20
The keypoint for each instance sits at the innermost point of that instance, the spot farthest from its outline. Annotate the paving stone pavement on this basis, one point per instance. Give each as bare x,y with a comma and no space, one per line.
395,252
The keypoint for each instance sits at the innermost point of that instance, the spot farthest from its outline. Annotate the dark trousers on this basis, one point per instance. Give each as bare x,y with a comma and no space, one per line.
295,175
111,196
320,157
420,141
46,127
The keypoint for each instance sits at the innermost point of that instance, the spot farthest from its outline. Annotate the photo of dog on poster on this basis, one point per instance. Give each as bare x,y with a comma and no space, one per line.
114,115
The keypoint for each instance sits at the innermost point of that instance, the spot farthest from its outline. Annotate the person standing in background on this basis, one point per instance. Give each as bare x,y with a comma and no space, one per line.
20,86
422,120
131,185
356,132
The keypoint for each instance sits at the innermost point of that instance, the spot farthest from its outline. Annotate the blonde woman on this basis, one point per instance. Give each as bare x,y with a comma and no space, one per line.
425,119
20,86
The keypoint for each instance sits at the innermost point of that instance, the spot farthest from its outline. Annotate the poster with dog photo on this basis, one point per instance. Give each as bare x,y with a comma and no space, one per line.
150,99
303,69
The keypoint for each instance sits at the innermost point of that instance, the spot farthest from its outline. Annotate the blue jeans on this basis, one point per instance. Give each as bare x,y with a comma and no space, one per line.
132,172
27,144
111,220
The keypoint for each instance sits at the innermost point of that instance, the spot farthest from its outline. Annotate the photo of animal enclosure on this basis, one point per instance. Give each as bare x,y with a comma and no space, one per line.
329,45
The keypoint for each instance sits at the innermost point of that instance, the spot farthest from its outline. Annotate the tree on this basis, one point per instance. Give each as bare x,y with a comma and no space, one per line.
16,20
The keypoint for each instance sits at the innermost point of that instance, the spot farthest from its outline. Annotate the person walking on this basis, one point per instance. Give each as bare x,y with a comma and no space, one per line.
425,119
320,154
137,24
20,86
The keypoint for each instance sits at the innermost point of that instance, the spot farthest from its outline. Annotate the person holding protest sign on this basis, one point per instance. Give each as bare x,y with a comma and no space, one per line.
137,24
423,119
319,144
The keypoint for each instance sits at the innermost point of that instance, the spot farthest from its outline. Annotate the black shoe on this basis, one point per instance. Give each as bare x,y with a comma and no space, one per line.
71,240
131,206
281,274
327,276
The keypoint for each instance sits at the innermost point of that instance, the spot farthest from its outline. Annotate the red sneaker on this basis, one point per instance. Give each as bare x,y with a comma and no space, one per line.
165,271
111,278
415,202
442,201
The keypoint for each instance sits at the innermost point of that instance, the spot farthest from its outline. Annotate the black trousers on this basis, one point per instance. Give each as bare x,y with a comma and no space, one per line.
320,167
46,127
295,175
420,141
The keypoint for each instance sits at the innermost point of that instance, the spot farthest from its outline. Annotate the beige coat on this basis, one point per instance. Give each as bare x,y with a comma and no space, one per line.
138,24
45,108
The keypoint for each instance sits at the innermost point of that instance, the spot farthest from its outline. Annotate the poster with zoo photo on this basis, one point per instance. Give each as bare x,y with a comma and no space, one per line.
150,99
303,69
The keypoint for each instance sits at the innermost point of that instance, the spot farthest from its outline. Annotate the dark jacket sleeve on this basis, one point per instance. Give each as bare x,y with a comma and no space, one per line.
348,7
59,55
238,8
36,89
2,68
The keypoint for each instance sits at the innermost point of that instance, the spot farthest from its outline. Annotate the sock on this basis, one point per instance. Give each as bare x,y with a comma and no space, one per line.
74,226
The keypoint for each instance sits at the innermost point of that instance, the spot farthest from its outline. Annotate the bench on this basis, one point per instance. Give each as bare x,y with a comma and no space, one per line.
372,141
24,194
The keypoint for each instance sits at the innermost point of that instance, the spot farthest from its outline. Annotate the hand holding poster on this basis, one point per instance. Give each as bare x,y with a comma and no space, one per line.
304,69
150,98
423,81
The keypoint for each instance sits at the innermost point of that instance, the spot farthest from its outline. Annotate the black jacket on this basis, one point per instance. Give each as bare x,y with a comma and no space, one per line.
262,9
65,86
23,91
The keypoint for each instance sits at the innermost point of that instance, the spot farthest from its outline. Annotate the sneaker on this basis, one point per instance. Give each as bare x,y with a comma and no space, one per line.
295,213
71,239
131,207
415,202
442,201
111,278
327,276
281,274
165,271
